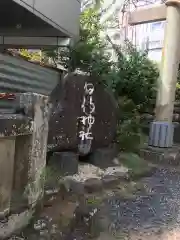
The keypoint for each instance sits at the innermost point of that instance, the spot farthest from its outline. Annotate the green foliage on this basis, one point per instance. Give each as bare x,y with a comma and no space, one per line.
88,51
136,165
129,133
178,87
133,81
132,77
84,52
35,56
135,77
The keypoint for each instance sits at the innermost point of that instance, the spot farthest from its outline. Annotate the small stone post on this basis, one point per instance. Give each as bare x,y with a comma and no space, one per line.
162,130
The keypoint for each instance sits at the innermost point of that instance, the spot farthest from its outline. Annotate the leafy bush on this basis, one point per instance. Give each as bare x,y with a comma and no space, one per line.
137,166
129,133
135,77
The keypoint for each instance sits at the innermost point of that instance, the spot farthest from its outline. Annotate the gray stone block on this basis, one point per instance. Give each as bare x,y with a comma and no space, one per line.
167,156
176,133
73,186
93,185
110,180
104,157
66,162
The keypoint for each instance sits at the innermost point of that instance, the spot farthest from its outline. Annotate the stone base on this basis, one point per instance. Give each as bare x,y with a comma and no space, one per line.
103,157
161,134
170,156
66,162
84,183
15,223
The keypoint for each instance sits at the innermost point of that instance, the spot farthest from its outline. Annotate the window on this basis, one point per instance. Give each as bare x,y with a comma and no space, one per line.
155,44
156,32
156,26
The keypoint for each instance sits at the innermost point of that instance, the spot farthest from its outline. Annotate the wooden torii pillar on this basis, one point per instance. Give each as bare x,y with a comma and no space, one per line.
162,129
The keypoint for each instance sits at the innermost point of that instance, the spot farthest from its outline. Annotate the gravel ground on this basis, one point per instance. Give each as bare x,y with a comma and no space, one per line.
153,213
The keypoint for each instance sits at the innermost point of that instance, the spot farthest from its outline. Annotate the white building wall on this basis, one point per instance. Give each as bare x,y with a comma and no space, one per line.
145,36
149,36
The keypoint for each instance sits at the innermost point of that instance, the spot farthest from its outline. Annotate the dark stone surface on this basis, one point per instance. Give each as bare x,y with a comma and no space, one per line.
73,186
177,133
66,162
110,181
14,125
67,99
103,157
93,185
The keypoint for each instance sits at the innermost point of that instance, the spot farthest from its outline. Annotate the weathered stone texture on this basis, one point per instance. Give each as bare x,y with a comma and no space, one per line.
169,156
37,107
23,159
66,162
7,147
67,99
103,157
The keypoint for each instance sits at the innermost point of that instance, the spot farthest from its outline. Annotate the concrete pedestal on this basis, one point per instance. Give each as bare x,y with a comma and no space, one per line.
161,134
37,107
23,146
30,156
21,167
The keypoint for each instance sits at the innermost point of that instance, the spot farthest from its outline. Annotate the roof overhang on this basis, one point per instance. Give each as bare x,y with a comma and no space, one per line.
34,23
33,42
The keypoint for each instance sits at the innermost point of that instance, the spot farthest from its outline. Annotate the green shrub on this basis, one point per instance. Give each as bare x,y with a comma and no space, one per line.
129,133
132,77
135,77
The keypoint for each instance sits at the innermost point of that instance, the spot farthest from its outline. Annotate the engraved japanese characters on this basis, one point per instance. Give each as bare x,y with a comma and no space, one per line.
87,119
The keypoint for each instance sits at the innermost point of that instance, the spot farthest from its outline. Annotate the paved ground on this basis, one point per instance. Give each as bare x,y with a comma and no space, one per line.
152,213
